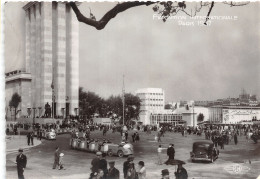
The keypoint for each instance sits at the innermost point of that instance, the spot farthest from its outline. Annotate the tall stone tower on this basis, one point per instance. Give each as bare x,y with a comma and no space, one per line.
51,59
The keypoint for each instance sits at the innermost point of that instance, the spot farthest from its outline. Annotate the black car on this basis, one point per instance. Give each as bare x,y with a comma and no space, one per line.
204,151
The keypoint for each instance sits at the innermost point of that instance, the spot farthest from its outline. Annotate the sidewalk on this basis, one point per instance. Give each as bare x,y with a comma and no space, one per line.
14,142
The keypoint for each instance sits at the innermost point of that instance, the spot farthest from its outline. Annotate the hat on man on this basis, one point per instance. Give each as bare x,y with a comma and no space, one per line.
112,162
165,172
130,157
98,153
20,150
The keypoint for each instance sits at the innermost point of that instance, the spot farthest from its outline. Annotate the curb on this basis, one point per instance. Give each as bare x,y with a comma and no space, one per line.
24,148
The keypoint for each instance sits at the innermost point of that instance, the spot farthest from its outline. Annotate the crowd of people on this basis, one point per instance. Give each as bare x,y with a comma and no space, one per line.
103,169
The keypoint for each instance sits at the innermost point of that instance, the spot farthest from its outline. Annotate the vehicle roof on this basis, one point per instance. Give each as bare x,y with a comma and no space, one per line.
202,142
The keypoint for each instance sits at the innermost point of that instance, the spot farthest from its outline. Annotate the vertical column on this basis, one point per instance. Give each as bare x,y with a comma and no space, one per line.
60,65
32,54
38,63
27,41
72,57
46,53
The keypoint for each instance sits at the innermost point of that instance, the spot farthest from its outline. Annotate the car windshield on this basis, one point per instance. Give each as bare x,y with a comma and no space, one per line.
201,147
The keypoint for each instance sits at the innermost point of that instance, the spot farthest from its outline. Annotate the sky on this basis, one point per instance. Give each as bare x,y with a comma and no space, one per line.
188,62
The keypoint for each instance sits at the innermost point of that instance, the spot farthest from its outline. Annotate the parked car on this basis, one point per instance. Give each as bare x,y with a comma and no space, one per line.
120,150
204,151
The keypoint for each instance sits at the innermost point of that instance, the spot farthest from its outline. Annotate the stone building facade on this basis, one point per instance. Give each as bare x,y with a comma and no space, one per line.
51,73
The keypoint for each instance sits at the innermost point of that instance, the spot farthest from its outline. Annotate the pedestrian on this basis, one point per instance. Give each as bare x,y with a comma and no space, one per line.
181,172
126,165
159,137
56,158
170,153
40,134
131,172
28,138
126,135
112,173
142,171
96,163
165,174
103,164
133,137
61,161
159,150
21,161
32,136
235,138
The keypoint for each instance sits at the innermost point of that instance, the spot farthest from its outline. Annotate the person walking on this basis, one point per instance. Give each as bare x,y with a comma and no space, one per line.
96,163
21,161
28,138
103,164
159,151
131,172
171,154
112,173
126,165
142,171
31,137
181,172
56,158
235,138
126,135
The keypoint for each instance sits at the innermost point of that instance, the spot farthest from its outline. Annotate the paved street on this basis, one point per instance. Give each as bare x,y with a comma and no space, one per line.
77,163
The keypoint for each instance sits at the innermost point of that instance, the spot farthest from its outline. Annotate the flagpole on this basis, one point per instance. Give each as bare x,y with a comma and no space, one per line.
123,90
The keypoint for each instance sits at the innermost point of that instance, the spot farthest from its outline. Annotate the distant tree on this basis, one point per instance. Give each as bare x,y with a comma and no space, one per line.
14,103
200,117
90,103
168,106
132,106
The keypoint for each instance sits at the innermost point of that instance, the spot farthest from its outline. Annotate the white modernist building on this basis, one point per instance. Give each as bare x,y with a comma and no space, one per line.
152,111
50,73
151,99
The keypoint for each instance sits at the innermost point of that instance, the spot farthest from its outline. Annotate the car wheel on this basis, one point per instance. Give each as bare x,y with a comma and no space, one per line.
110,153
120,153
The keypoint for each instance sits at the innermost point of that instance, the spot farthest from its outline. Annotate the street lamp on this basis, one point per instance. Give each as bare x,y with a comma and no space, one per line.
34,115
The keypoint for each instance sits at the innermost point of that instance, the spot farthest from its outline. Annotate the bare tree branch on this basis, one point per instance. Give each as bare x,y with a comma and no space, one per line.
109,15
210,9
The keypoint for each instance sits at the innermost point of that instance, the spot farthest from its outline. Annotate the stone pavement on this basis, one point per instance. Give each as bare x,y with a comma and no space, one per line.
14,142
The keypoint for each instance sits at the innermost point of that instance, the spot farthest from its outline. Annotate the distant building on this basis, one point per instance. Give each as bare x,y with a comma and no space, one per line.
233,114
151,99
51,65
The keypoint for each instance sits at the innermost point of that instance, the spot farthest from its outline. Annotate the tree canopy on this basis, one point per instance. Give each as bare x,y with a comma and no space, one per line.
14,103
91,104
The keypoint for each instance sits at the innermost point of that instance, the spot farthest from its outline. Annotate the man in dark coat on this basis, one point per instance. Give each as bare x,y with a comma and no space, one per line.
103,164
235,138
28,138
181,172
170,153
21,161
56,158
32,135
113,173
96,163
126,165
